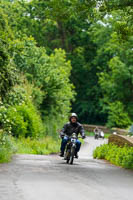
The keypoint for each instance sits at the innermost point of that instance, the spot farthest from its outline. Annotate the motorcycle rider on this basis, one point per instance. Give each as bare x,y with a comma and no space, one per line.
73,126
96,131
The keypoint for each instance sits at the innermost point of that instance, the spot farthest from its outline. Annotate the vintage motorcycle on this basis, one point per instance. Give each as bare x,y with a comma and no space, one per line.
70,148
99,134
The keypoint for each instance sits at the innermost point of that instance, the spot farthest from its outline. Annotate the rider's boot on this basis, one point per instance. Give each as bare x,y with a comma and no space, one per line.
61,154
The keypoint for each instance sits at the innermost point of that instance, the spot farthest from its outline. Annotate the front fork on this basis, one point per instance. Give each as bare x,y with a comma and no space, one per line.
70,149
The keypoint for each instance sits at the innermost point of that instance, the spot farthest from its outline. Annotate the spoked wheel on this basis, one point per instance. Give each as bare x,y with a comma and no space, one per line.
72,155
67,156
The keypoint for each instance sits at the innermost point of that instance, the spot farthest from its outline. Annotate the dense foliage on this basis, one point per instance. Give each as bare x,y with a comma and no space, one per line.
97,39
60,56
21,121
8,75
30,78
120,156
35,90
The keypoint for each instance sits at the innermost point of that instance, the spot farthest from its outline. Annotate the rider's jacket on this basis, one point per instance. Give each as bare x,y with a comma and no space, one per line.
70,128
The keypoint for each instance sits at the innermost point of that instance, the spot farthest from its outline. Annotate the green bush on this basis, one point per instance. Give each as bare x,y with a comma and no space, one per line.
120,156
16,96
7,147
101,151
31,118
21,121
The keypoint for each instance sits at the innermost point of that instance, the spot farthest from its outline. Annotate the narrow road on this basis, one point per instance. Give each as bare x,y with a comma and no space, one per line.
33,177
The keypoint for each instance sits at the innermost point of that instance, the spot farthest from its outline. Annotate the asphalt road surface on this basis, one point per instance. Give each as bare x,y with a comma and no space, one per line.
33,177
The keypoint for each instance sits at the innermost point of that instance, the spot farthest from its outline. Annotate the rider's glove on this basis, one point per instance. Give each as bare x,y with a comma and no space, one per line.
83,136
62,135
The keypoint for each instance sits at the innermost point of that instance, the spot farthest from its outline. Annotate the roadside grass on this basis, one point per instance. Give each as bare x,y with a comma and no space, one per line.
10,145
5,155
7,147
106,135
43,146
120,156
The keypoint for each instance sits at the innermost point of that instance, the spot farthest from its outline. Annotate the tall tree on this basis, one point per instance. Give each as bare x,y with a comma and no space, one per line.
8,77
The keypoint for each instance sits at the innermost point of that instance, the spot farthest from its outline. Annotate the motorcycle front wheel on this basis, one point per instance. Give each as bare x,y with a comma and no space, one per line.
67,156
72,155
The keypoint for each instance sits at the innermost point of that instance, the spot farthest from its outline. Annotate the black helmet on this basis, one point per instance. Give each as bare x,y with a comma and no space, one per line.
73,115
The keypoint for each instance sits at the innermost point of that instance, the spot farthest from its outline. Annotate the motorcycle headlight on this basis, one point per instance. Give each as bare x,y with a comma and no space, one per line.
73,140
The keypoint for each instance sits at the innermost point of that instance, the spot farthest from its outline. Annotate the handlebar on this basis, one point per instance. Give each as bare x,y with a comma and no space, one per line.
77,137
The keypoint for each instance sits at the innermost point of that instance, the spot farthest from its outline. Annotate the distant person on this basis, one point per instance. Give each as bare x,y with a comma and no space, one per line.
73,126
96,131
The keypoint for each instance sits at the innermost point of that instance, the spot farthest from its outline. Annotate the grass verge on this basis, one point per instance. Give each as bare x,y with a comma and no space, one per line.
120,156
43,146
7,148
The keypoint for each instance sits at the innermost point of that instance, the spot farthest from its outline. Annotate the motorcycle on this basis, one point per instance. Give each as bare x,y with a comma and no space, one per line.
99,134
96,136
71,148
